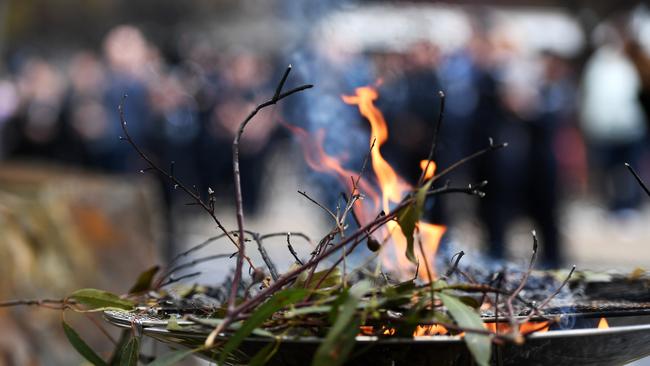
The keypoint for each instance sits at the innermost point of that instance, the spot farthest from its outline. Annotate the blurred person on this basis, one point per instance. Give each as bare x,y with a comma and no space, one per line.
131,62
554,111
37,129
612,118
9,103
84,109
244,80
490,120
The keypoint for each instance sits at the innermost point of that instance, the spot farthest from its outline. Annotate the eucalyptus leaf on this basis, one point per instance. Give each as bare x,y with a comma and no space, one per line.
278,301
97,300
479,345
131,352
144,281
409,217
81,346
316,309
333,279
339,341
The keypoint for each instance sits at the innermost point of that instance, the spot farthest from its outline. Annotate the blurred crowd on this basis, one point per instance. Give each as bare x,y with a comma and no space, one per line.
568,120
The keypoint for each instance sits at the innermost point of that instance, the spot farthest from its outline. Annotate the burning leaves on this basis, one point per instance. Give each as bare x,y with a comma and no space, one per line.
304,301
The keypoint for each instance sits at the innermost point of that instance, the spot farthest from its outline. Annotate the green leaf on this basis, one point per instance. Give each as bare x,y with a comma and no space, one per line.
332,279
479,344
125,335
172,324
316,309
131,352
339,341
97,300
173,358
275,303
143,283
409,217
81,346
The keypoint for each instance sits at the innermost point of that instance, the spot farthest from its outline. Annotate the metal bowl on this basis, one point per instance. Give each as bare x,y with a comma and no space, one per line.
617,345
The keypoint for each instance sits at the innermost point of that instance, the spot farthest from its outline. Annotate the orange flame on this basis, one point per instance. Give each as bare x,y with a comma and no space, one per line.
429,330
533,327
603,324
430,166
393,188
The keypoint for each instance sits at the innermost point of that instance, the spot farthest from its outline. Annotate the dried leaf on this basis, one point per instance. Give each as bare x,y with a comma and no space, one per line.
98,300
275,303
479,345
143,283
81,346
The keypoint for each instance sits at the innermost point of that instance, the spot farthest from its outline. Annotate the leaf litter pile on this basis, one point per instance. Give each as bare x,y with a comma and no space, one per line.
320,295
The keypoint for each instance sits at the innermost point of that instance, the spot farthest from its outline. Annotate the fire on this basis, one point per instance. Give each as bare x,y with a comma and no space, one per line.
429,330
430,167
524,328
392,188
603,324
533,327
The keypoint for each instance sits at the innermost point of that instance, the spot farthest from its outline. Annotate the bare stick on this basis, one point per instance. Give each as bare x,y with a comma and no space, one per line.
177,279
524,279
293,251
329,212
285,233
463,161
192,263
551,296
237,178
473,190
638,179
434,141
453,268
265,257
195,248
171,177
31,302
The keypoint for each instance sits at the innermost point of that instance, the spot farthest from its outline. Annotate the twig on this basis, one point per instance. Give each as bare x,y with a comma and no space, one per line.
638,179
434,142
551,296
473,190
522,284
329,212
237,178
177,279
293,251
463,161
195,248
265,257
453,268
284,233
171,177
39,302
191,263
